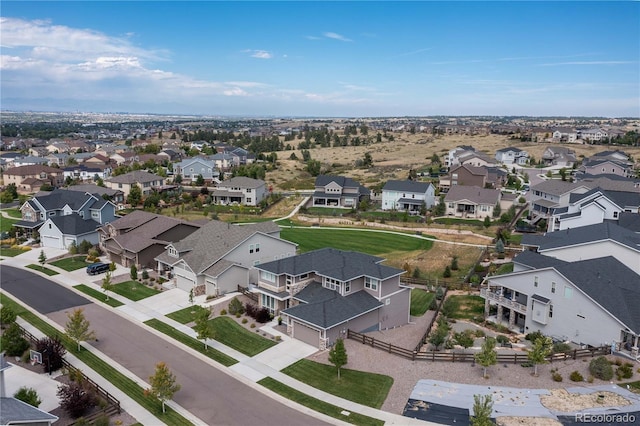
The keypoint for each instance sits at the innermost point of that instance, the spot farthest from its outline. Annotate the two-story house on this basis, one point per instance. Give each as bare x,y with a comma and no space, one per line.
338,191
219,257
559,156
588,302
550,194
30,178
148,182
407,195
322,293
64,217
615,163
512,155
191,168
240,190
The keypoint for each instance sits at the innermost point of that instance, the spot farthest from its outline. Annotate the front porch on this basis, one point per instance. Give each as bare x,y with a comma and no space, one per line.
509,310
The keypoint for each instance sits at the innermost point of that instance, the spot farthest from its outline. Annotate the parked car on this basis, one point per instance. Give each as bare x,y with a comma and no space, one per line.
97,268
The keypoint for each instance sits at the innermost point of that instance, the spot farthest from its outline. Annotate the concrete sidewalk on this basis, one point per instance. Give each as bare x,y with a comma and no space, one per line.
248,369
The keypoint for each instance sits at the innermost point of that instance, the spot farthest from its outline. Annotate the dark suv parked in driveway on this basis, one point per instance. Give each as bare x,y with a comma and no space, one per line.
97,268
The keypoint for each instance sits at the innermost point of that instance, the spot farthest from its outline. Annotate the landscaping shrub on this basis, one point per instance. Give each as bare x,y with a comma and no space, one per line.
561,347
28,395
223,312
250,309
447,272
263,316
253,325
439,293
624,371
235,307
502,339
532,337
244,320
7,316
76,398
145,275
601,368
13,344
576,377
480,333
557,377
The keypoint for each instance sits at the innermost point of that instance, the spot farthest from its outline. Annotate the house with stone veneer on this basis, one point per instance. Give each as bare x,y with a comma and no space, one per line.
322,293
471,201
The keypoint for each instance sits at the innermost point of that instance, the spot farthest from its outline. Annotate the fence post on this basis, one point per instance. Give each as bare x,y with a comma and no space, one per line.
373,340
453,357
413,356
515,358
363,339
575,353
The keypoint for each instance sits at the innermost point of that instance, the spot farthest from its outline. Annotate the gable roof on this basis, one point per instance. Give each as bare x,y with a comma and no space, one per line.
557,186
15,411
326,308
135,177
58,198
212,241
33,169
242,182
606,230
510,148
407,186
338,264
73,224
474,194
344,182
478,171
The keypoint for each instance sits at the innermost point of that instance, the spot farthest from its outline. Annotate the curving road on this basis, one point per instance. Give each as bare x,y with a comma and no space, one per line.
208,393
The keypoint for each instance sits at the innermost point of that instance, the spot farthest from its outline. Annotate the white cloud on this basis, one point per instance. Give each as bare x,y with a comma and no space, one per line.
336,36
261,54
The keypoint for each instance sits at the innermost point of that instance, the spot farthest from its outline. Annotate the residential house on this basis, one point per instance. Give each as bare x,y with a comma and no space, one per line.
466,175
170,155
30,161
137,238
125,158
240,190
452,158
559,156
322,293
608,163
407,195
471,201
86,173
148,182
593,135
477,159
589,242
565,134
512,155
550,194
591,207
86,212
219,257
338,191
587,302
114,195
57,159
224,161
191,168
30,178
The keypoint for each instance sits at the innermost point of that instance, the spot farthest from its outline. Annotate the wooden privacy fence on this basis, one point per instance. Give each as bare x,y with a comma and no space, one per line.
514,358
112,404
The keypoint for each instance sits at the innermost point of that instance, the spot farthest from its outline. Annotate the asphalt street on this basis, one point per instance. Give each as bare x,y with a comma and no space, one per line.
207,392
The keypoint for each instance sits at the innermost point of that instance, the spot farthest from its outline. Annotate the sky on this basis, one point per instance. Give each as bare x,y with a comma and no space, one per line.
322,59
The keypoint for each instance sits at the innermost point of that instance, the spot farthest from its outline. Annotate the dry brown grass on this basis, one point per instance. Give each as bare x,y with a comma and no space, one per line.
561,400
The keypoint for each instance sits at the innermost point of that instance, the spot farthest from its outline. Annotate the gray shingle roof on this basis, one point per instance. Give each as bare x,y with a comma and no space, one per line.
407,186
344,182
73,224
535,260
18,412
212,241
325,308
242,182
474,194
557,186
333,263
58,198
137,176
584,234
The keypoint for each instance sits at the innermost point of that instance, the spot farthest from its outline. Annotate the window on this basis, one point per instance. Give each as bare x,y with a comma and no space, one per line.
303,276
371,283
450,205
535,281
248,191
553,287
267,276
568,292
251,248
257,248
347,287
615,215
388,301
248,200
256,262
550,311
173,252
332,284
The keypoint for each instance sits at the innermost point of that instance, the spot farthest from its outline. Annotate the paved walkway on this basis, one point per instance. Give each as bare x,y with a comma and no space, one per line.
248,369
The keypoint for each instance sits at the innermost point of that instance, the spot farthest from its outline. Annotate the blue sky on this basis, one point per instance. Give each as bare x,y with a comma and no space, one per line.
323,59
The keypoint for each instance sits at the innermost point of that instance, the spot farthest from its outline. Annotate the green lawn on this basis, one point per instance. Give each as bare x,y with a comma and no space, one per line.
99,295
452,221
318,405
42,269
14,213
420,301
187,340
186,315
327,211
358,386
505,268
374,243
71,263
125,384
11,252
464,306
6,224
230,333
515,240
134,290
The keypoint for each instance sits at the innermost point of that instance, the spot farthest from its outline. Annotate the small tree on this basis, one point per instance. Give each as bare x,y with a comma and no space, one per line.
487,355
28,395
487,222
163,384
235,306
107,284
112,267
500,247
7,316
12,341
447,272
482,408
203,327
191,296
76,398
454,263
135,195
134,272
52,351
539,352
464,339
338,355
78,327
42,258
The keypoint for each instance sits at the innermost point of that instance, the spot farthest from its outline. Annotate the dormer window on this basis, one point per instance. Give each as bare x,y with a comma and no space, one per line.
173,252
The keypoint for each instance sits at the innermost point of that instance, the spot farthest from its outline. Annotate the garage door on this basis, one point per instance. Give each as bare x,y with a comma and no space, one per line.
184,283
53,242
306,334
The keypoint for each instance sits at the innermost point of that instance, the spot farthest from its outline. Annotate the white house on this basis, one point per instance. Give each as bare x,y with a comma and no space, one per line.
407,195
240,190
512,155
